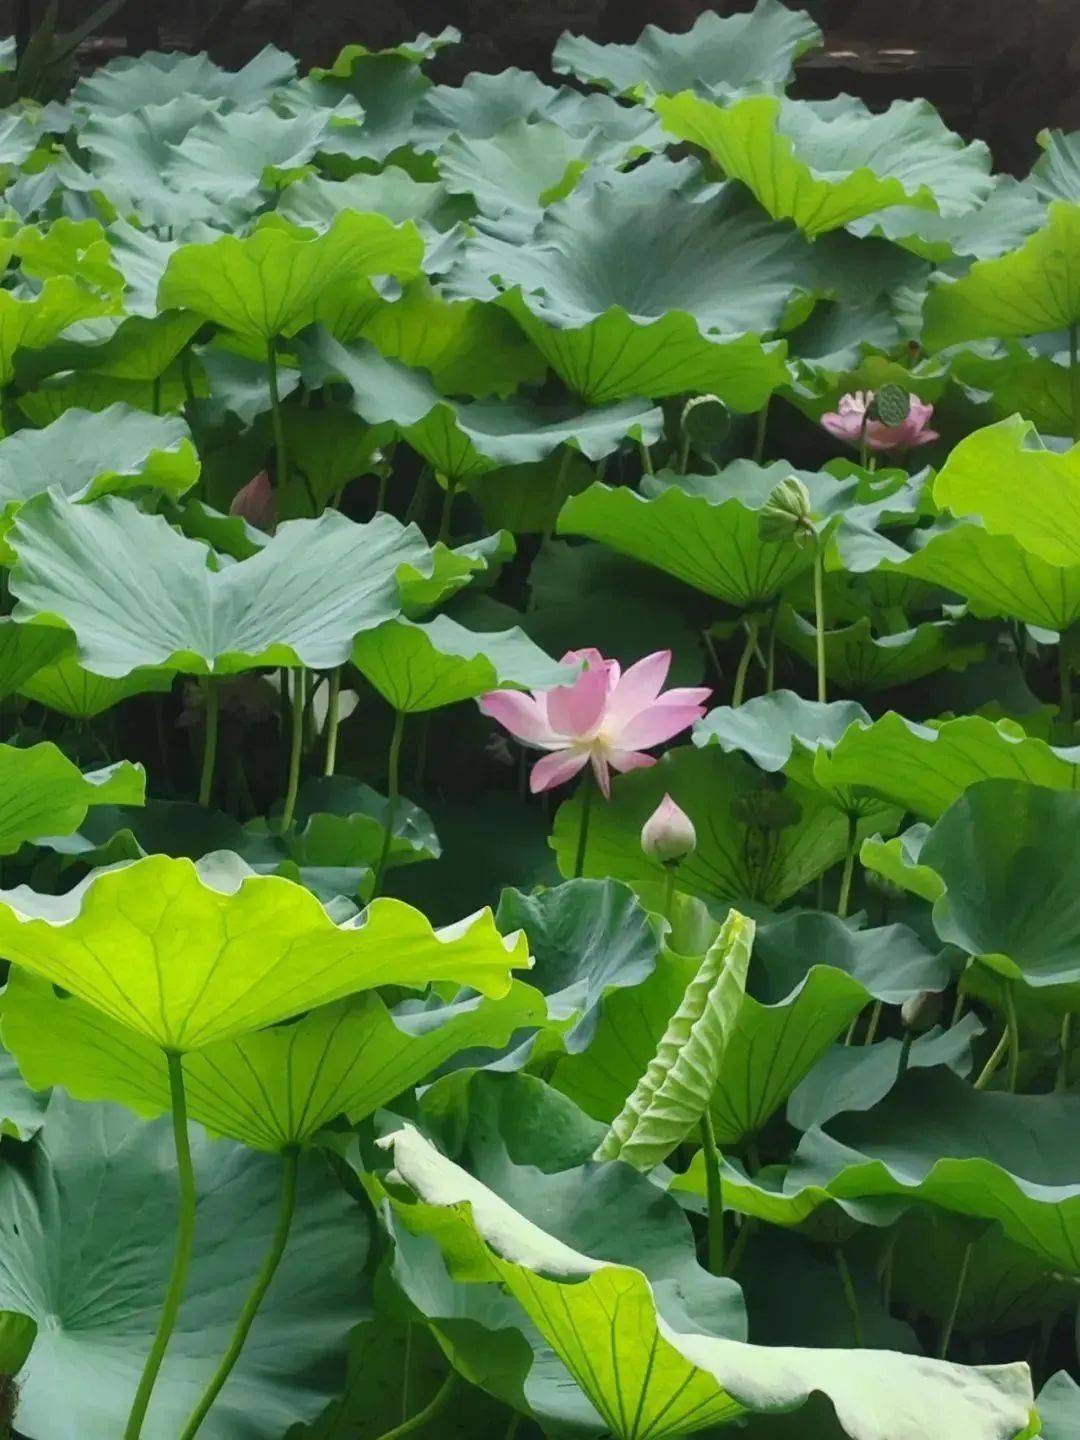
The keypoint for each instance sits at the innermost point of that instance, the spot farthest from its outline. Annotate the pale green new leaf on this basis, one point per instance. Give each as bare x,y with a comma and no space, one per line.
674,1092
43,793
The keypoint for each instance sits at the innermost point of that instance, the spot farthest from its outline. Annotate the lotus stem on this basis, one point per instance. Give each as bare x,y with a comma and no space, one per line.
684,453
185,1235
1012,1029
761,430
421,1418
746,1229
819,620
280,455
848,875
212,693
849,1295
333,720
646,460
560,498
954,1308
380,493
513,1427
393,781
406,1373
1065,706
875,1021
296,745
714,1189
447,510
739,689
586,790
669,892
990,1068
1074,377
770,651
286,1210
1061,1080
155,395
186,376
418,503
905,1054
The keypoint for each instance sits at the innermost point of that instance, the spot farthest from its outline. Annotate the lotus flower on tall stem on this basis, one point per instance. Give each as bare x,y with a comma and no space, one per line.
850,422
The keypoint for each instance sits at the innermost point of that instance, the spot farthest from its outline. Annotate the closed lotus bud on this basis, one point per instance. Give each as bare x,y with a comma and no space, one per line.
255,502
786,515
921,1012
668,835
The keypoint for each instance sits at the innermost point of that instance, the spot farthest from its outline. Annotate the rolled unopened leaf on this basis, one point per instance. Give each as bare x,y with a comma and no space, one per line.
674,1093
668,835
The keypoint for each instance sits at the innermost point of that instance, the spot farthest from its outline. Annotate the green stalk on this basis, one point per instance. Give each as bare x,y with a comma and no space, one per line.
739,688
850,1296
819,620
393,781
155,395
646,459
954,1309
332,721
286,1211
380,494
684,453
447,510
280,458
186,376
991,1067
875,1021
1061,1080
1013,1031
848,875
295,748
560,498
669,892
714,1186
1065,705
421,1418
418,503
210,738
185,1235
513,1427
1074,377
905,1054
587,788
762,427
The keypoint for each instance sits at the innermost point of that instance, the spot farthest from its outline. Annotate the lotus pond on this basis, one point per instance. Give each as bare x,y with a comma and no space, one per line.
539,790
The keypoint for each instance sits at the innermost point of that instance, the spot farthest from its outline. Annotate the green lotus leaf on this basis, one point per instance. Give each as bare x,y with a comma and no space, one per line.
33,323
66,687
1029,291
526,499
648,283
1009,215
483,105
269,950
1059,1406
773,728
462,438
740,855
131,347
857,659
18,138
676,1088
24,650
810,976
991,1156
281,278
128,83
83,1219
429,204
417,51
21,1108
76,248
1018,379
338,814
43,793
271,1090
824,163
856,1077
421,667
326,449
717,55
301,600
647,1378
589,939
898,861
1056,174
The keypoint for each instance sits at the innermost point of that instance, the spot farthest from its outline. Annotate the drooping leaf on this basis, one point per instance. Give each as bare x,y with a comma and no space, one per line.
858,659
267,951
43,793
67,687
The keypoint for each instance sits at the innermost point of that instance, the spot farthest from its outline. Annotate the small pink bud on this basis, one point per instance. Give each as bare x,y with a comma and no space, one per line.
668,835
255,502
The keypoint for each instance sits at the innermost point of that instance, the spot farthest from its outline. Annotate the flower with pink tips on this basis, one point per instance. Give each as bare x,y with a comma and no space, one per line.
605,717
846,423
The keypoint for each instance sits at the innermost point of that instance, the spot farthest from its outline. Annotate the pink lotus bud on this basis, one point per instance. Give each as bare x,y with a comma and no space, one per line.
668,835
255,502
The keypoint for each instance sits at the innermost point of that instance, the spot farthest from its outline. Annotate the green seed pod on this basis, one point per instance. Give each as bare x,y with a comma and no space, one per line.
706,421
891,405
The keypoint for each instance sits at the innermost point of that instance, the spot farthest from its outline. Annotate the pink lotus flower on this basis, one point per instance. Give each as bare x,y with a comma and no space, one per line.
255,502
846,423
605,717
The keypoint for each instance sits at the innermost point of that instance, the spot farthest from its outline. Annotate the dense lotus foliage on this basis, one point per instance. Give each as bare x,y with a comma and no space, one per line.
540,784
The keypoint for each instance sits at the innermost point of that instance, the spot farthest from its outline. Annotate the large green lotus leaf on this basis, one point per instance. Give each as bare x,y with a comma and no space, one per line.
717,55
589,939
811,975
79,248
773,728
66,687
420,667
392,192
24,650
1056,174
267,949
1009,872
1016,487
1016,379
130,347
281,278
1029,291
335,806
32,323
138,594
22,1109
898,861
734,859
421,48
712,544
85,455
483,105
858,659
326,449
992,1156
273,1089
128,83
43,793
650,283
1059,1407
462,438
647,1378
1009,215
823,163
83,1220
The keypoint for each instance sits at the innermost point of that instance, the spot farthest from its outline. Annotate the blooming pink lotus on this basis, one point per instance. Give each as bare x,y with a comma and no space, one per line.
846,423
255,502
605,716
